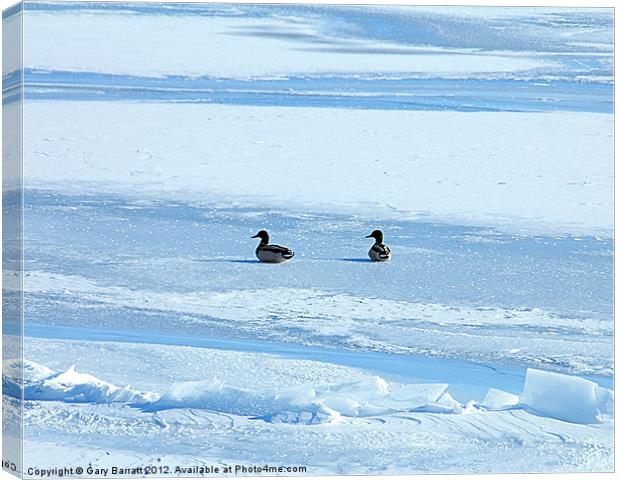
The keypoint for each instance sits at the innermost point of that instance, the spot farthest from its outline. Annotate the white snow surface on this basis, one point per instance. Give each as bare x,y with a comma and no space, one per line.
546,172
16,369
42,383
219,46
308,373
318,410
309,404
565,397
321,317
17,372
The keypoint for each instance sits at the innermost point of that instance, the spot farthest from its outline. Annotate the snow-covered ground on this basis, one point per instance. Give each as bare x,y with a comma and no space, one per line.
308,40
543,172
222,43
313,316
157,143
220,407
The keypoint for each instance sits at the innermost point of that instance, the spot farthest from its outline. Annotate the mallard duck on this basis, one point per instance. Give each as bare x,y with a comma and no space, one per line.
379,252
271,253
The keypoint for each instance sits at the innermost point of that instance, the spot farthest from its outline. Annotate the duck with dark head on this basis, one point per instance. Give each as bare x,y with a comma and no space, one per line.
379,252
267,253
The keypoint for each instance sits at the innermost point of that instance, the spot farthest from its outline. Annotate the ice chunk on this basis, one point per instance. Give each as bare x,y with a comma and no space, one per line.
14,369
72,386
308,404
295,405
42,383
353,399
605,400
214,395
32,371
450,403
411,396
418,392
564,397
444,404
499,400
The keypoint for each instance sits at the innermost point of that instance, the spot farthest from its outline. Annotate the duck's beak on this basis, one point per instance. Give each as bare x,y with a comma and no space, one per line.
368,236
255,236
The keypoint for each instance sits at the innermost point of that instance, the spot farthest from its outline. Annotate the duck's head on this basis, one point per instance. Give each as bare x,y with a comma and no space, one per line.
377,235
263,235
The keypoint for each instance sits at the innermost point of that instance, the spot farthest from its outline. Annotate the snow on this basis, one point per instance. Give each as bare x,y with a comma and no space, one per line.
305,404
14,370
42,383
17,372
281,46
479,140
359,322
72,386
311,412
564,397
457,161
366,395
581,401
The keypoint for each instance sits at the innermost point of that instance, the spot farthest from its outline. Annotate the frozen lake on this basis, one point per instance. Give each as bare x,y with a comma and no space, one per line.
463,95
479,140
471,275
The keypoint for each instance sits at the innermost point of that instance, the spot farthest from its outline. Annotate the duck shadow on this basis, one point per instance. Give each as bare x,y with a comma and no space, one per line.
225,260
254,262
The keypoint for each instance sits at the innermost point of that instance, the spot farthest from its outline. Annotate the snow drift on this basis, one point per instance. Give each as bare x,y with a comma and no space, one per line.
17,372
309,404
562,397
42,383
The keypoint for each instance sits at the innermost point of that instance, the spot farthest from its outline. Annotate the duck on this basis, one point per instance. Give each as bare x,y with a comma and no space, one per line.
271,253
379,252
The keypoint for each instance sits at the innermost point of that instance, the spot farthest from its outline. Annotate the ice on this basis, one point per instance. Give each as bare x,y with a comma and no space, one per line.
221,45
215,395
17,372
565,397
357,321
402,397
492,163
392,362
605,401
499,400
31,371
445,404
368,412
308,403
42,383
